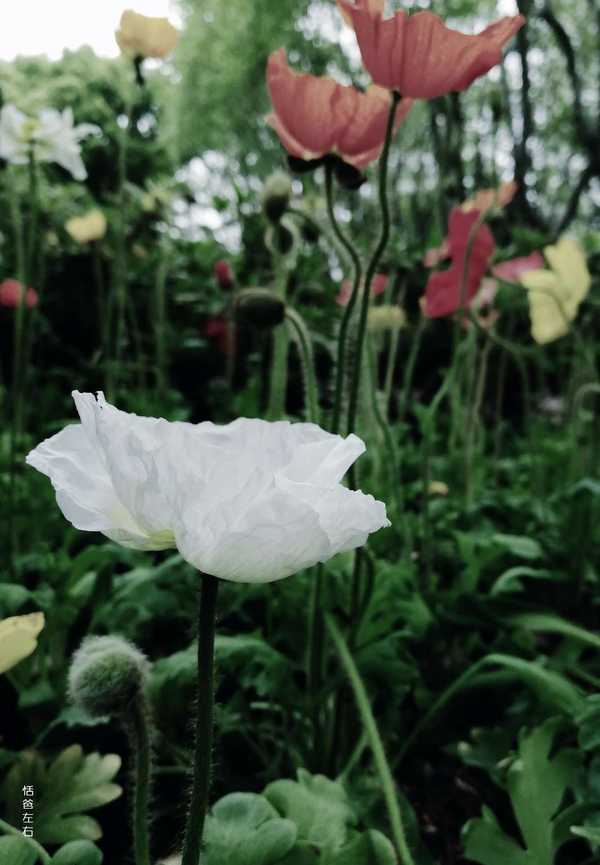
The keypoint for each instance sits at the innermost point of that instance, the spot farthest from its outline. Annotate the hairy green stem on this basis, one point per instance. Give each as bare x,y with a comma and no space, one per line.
372,266
279,360
138,729
316,636
375,742
305,348
204,721
348,311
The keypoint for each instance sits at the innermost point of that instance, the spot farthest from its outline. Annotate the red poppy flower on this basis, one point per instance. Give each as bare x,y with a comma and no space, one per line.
224,274
444,289
11,294
315,116
378,286
513,270
417,55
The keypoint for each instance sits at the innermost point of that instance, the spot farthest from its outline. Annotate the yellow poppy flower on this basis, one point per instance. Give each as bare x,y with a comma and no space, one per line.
145,36
18,638
555,294
90,226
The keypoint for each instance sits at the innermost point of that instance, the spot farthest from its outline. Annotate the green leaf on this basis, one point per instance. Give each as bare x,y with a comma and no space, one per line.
78,853
519,545
588,721
590,833
244,829
71,784
537,786
16,851
552,624
319,807
510,580
370,848
485,842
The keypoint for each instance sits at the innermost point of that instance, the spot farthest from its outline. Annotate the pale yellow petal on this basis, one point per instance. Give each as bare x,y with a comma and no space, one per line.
18,638
567,260
549,319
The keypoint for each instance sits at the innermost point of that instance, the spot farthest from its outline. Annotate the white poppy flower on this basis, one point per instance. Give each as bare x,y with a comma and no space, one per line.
250,501
51,136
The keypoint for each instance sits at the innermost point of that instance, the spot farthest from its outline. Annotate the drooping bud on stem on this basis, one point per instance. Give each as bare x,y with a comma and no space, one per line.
282,238
107,677
276,196
260,308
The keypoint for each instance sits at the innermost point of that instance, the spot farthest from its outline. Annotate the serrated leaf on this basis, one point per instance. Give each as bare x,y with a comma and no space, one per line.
537,785
319,807
71,784
244,829
485,842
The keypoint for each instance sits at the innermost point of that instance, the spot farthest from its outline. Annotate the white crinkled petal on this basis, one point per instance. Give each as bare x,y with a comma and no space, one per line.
278,536
135,452
347,517
84,491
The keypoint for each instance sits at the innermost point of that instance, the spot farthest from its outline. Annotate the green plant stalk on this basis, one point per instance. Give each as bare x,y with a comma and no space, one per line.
204,721
372,267
409,369
392,468
314,671
375,742
390,369
118,301
279,361
348,311
304,342
33,844
473,421
160,325
138,730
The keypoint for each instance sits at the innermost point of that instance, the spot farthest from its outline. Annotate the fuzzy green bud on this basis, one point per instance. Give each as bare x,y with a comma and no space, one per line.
276,196
106,674
260,308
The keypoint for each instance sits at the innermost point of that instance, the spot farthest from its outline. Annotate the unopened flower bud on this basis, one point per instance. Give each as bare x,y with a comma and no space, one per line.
224,274
283,237
348,176
276,196
310,231
260,308
106,674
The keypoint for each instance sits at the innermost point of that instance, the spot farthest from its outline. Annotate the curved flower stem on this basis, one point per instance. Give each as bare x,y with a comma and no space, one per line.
278,378
33,844
374,737
204,721
372,266
346,318
304,342
138,729
314,672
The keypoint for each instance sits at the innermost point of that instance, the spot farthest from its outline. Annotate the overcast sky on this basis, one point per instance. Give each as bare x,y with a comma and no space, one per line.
50,26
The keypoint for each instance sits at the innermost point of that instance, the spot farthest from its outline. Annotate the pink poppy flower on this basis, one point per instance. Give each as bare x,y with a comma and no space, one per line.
315,116
417,55
11,294
513,269
378,286
444,289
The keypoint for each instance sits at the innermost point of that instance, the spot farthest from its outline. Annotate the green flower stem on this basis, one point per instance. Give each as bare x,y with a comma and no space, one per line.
304,342
372,266
279,360
372,732
314,672
204,721
347,316
160,325
40,852
138,729
409,369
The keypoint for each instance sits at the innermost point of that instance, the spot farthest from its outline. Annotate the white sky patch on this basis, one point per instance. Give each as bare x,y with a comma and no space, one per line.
49,26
